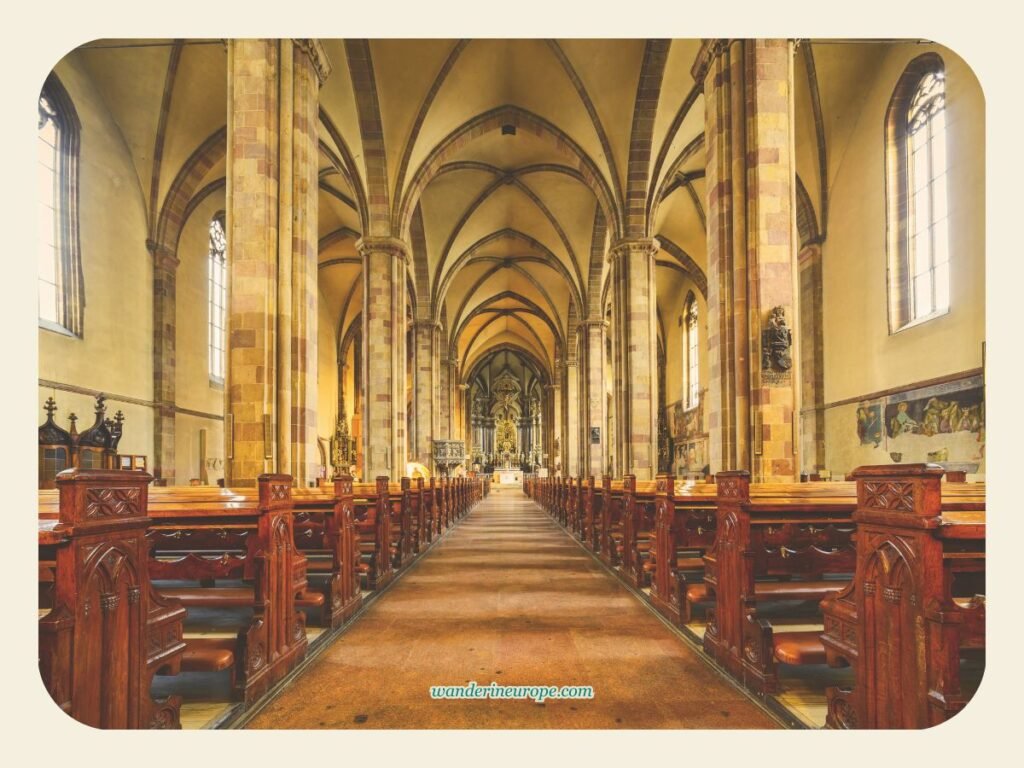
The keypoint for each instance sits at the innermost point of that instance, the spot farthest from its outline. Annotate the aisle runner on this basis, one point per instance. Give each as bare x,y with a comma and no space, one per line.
509,599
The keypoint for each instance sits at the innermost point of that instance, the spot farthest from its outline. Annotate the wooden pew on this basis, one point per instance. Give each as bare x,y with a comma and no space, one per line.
610,530
420,517
684,530
916,604
638,513
402,534
571,504
107,632
589,527
247,537
773,542
563,500
373,526
446,503
325,531
436,507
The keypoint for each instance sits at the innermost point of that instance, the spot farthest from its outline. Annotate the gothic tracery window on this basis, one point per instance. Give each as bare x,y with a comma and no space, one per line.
918,201
59,276
692,344
218,297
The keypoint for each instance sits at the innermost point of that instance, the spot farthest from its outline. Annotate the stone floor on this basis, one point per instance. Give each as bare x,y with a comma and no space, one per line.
509,598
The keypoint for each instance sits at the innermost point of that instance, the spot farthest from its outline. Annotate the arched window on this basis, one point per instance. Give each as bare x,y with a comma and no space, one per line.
691,341
919,273
218,297
61,298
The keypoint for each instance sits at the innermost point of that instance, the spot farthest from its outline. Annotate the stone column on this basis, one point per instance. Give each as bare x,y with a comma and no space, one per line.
165,267
572,417
748,90
272,164
636,356
298,314
270,397
385,262
444,395
425,390
558,455
547,408
453,398
812,361
464,410
595,454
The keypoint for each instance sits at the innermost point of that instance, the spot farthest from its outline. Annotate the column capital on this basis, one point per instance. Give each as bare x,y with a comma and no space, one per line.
314,49
163,256
599,323
710,49
639,245
428,325
378,244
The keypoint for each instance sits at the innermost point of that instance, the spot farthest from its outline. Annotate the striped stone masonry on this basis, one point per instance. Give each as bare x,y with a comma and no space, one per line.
750,176
572,418
165,267
270,389
385,262
426,373
595,454
636,356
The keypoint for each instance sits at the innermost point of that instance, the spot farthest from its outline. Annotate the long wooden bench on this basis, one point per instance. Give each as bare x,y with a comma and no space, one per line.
773,542
916,605
325,531
572,505
638,515
610,520
590,519
402,533
418,513
373,526
220,549
684,530
105,632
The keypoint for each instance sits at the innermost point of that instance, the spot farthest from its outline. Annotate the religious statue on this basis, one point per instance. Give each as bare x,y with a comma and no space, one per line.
776,341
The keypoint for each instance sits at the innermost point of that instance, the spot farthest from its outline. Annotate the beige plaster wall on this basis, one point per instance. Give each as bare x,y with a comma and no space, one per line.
114,353
861,357
194,390
671,308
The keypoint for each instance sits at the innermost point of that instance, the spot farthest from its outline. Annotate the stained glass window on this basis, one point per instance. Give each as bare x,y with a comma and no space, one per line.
48,208
218,298
692,355
927,209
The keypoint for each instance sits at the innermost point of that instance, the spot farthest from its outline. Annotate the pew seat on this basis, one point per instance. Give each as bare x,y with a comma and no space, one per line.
210,597
209,654
799,648
682,564
310,600
775,590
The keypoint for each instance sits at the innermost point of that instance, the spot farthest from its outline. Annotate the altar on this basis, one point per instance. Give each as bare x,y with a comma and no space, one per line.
507,477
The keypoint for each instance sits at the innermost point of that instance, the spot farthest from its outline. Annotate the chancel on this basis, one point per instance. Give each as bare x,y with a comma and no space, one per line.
650,372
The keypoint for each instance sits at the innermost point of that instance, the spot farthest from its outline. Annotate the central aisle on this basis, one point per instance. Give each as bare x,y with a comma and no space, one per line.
510,598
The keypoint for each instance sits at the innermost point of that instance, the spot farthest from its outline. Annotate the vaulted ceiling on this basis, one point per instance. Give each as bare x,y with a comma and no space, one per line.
506,165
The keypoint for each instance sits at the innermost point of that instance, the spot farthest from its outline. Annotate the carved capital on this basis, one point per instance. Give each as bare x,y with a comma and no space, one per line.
163,256
314,49
426,325
710,50
641,246
391,246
